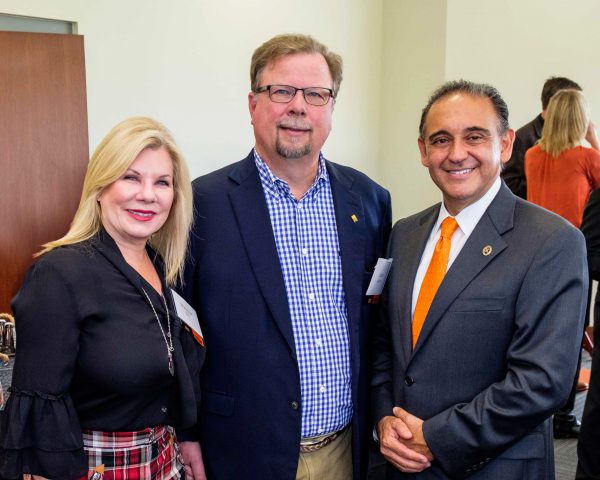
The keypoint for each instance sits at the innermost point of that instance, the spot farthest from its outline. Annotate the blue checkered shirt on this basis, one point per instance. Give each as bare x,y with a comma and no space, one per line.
307,244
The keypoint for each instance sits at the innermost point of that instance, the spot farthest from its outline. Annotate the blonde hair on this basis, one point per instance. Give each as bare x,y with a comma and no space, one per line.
289,44
116,152
566,123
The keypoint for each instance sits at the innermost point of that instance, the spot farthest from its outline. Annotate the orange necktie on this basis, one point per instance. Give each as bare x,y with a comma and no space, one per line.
434,276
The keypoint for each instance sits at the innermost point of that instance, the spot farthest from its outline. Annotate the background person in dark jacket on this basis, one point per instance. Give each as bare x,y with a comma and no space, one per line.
513,172
588,448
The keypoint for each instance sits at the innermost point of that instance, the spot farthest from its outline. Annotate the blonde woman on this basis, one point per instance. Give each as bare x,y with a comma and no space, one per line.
561,173
104,369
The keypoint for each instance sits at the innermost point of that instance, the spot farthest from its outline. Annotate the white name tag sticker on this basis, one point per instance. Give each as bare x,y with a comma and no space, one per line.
187,314
379,276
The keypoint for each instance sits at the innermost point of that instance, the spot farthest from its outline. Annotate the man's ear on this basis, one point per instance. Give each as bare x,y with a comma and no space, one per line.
423,150
506,145
252,99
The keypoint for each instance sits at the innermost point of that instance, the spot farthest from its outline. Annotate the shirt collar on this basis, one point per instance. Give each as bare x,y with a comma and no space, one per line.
278,187
469,217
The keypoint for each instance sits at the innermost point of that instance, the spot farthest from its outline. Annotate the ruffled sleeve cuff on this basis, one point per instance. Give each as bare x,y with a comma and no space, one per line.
40,434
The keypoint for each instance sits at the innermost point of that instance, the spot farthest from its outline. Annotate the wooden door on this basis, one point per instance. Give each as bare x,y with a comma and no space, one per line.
43,146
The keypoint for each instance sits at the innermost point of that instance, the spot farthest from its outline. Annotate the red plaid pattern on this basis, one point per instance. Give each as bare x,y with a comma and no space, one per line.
150,454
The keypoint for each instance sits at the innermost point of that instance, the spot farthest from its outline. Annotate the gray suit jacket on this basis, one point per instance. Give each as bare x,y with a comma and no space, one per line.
498,350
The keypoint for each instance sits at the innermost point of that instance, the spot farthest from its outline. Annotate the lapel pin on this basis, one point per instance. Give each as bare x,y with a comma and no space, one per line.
354,218
487,250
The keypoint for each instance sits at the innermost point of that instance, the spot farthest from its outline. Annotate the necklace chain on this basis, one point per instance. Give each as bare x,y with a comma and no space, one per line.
166,337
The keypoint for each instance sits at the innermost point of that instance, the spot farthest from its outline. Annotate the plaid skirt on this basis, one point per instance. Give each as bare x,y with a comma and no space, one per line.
150,454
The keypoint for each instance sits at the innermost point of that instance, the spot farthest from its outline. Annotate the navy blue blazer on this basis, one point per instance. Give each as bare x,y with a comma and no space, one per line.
251,414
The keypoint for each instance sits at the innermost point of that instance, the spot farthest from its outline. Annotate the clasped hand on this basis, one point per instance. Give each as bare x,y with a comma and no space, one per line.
402,442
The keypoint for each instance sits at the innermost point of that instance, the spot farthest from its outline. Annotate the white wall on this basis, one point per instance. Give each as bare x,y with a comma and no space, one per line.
187,64
413,53
516,45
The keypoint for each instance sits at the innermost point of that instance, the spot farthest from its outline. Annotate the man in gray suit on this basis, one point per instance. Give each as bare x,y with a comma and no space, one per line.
471,392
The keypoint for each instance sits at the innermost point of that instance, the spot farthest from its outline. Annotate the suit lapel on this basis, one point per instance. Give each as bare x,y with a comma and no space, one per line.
252,215
351,237
473,258
406,270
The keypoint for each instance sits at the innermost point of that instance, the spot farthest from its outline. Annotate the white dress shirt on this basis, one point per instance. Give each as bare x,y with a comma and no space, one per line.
467,220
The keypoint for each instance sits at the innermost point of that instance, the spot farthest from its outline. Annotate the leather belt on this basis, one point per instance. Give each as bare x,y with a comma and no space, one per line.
306,446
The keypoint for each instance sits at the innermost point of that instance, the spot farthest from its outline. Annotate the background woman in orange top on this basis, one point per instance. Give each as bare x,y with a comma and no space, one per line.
560,172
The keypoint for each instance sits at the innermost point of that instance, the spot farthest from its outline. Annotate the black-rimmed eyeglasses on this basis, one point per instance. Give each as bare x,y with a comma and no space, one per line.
317,96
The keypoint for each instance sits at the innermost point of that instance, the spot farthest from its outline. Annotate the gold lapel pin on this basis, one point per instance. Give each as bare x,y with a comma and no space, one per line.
354,218
487,250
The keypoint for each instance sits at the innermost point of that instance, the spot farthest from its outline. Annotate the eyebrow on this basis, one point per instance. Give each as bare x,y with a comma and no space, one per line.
467,130
138,173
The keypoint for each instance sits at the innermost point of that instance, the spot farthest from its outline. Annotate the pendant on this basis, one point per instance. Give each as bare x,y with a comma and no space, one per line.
171,366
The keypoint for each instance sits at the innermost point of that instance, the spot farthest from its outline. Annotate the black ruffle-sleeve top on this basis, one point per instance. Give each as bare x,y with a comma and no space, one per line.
91,355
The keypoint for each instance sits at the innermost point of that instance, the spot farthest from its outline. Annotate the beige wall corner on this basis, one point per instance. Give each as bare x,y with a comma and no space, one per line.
414,50
517,45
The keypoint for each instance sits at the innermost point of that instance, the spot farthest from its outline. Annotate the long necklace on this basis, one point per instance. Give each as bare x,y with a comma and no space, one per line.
169,342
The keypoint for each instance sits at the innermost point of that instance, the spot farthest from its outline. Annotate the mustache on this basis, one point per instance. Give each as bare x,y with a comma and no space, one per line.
295,124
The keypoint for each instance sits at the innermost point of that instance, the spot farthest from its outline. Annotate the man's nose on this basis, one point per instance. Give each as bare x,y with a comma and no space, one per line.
298,104
458,151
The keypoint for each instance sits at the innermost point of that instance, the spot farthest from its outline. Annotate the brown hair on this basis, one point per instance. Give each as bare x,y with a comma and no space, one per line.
289,44
553,85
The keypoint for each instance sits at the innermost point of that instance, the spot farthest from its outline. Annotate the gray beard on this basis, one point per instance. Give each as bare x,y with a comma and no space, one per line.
294,151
